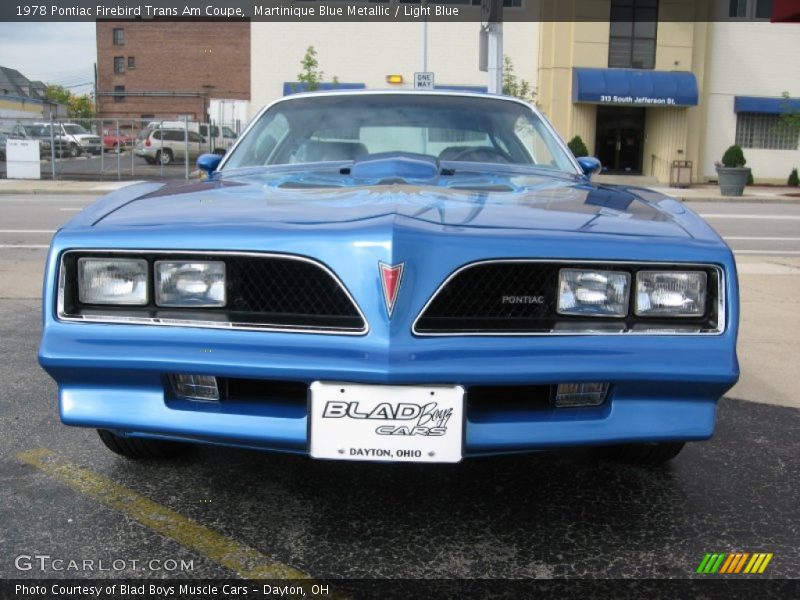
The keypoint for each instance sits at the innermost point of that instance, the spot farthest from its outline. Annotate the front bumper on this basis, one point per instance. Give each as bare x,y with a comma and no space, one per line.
113,377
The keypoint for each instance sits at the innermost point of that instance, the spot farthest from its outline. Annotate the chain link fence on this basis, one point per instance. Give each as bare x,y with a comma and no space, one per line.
119,149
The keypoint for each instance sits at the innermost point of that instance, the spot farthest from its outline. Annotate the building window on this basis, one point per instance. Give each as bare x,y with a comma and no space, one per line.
131,62
765,131
119,36
119,64
763,9
750,9
632,43
119,93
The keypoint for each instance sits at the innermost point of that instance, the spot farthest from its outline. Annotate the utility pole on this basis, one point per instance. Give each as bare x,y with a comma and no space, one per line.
424,41
492,24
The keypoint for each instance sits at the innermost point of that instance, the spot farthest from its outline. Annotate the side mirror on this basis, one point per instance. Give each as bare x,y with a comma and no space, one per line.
208,163
589,165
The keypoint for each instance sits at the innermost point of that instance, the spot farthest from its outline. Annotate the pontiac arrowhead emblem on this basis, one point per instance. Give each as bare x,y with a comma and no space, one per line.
391,276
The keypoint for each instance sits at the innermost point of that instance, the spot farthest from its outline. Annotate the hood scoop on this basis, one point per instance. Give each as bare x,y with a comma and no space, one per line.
394,167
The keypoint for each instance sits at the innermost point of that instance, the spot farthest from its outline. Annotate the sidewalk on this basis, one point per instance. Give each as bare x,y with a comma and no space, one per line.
40,186
697,193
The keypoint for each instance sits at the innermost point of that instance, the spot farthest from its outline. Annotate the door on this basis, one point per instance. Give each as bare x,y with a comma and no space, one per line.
620,139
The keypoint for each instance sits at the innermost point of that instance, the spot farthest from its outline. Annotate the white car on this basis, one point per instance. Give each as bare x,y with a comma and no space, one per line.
75,138
164,146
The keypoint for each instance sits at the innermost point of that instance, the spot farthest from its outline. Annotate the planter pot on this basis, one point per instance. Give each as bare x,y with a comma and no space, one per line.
732,180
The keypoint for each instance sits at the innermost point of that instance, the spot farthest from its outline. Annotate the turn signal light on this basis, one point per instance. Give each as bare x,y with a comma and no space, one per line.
580,394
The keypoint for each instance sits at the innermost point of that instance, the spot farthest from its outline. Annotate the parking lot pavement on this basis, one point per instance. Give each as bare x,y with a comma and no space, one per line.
546,515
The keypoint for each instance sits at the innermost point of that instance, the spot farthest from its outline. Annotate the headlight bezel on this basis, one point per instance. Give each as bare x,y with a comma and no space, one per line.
574,312
664,313
83,262
158,284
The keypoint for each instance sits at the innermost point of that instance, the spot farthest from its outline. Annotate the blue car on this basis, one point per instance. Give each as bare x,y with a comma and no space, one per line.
392,276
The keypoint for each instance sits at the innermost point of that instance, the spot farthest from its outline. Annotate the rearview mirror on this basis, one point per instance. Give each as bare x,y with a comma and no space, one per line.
208,163
589,165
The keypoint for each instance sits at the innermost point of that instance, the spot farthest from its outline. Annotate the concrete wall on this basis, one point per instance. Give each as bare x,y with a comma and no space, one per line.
754,58
368,52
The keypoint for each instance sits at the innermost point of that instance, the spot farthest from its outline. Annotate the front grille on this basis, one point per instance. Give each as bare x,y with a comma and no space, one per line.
263,291
502,297
517,297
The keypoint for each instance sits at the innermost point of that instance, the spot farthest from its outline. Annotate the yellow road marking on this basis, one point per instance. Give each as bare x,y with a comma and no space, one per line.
764,564
243,560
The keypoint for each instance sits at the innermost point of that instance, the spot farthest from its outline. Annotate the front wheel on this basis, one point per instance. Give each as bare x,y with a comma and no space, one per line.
74,150
643,454
140,448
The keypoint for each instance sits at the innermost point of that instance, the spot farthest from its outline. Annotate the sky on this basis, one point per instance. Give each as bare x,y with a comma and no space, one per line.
62,53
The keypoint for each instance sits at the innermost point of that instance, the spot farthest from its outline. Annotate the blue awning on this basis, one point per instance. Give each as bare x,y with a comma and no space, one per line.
771,106
634,87
295,87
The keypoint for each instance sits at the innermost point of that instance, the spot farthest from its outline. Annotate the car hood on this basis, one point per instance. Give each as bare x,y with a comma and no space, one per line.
527,203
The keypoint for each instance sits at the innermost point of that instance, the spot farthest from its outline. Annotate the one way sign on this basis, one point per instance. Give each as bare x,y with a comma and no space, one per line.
423,80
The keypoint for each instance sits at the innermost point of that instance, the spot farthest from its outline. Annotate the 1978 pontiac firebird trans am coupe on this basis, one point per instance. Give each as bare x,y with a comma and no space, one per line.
392,276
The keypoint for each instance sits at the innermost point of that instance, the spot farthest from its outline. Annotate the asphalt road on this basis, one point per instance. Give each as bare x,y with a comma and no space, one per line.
545,515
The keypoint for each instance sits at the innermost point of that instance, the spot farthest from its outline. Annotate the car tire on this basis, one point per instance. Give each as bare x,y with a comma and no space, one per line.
643,454
141,448
74,150
164,157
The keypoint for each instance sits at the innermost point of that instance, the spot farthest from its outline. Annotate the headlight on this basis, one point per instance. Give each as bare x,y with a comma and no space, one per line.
112,281
595,293
194,283
671,293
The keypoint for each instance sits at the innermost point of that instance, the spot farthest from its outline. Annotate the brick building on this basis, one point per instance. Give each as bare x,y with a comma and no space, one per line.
154,69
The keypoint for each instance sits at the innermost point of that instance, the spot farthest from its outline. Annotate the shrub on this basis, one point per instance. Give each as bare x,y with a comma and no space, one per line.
793,180
733,157
750,178
577,147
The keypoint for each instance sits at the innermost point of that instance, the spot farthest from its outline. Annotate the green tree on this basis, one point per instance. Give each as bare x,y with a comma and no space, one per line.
78,107
790,116
513,86
311,75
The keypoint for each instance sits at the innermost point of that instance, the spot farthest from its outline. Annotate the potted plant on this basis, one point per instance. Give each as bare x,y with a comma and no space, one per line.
732,173
577,147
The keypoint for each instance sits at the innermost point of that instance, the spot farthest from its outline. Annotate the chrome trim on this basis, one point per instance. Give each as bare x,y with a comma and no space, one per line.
453,93
164,322
721,304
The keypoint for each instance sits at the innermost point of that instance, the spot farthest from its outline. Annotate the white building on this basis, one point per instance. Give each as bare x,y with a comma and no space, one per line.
751,64
364,54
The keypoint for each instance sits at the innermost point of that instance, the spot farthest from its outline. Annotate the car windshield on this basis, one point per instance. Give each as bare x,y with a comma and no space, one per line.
325,128
36,130
74,129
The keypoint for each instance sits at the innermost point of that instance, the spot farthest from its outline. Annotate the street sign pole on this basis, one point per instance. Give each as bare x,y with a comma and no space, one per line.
495,58
492,23
424,42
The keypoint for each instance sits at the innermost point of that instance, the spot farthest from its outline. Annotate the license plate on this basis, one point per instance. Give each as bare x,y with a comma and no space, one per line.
393,423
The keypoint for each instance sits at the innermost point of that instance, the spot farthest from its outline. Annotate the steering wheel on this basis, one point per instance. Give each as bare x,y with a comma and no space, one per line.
482,154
